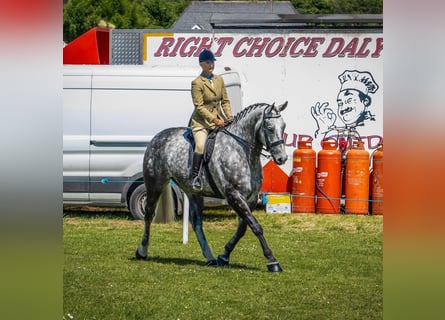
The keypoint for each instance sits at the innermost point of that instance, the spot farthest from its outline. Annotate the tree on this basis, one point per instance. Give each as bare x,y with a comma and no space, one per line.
314,6
80,16
358,6
164,12
338,6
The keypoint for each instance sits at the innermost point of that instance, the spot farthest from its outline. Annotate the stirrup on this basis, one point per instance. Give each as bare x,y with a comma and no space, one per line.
196,184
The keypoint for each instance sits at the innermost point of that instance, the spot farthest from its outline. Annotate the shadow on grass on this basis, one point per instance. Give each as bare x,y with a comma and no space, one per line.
189,262
219,214
91,212
216,214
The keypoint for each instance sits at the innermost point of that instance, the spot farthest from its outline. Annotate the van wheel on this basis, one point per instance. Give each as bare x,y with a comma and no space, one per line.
137,202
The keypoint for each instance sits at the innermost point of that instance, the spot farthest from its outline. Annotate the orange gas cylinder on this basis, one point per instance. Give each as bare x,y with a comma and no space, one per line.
328,178
357,179
376,182
303,178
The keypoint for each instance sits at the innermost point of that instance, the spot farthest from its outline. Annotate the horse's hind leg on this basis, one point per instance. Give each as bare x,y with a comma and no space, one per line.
196,206
239,204
153,193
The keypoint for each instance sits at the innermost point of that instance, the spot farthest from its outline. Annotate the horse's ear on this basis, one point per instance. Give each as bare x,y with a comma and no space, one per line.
270,107
282,107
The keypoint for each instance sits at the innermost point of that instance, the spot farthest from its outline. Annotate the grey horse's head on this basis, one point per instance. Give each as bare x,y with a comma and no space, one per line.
271,132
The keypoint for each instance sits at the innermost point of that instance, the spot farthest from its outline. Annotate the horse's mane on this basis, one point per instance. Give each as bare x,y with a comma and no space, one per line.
240,115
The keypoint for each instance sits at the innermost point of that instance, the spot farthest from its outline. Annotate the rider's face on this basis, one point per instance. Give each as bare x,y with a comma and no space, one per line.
350,106
207,66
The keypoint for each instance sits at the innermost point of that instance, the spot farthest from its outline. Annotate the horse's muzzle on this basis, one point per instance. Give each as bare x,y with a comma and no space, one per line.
280,159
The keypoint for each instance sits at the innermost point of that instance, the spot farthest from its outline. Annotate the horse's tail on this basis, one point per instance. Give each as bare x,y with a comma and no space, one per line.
165,212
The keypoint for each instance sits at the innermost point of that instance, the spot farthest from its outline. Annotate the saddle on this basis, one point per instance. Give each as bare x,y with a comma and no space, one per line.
209,145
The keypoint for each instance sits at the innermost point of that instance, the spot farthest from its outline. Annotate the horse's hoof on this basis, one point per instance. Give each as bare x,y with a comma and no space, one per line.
274,267
222,261
139,256
211,263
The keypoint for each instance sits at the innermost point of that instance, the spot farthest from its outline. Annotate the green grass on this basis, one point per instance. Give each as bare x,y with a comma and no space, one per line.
332,269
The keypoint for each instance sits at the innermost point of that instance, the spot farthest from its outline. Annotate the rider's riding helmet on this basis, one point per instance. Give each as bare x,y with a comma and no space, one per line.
206,55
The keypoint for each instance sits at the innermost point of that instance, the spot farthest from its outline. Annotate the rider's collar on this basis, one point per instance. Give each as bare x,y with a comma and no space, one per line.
209,77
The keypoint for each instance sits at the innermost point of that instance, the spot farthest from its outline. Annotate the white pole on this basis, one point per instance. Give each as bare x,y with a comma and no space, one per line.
185,220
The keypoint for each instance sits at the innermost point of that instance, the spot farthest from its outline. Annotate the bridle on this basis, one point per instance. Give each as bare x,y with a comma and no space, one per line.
269,145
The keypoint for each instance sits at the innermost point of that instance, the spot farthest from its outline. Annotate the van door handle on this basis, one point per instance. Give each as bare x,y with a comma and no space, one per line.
129,144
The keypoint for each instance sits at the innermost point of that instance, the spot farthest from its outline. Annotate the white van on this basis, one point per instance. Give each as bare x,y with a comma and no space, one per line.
110,112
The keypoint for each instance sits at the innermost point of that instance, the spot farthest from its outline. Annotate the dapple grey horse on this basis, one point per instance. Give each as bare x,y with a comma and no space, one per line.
234,172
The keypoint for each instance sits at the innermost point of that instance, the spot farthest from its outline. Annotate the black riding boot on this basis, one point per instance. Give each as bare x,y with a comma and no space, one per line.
197,158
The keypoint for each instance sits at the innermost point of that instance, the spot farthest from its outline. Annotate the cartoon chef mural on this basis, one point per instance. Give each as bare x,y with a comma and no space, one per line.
353,102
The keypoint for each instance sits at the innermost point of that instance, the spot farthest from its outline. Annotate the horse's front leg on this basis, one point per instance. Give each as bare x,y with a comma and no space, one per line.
223,259
196,206
239,204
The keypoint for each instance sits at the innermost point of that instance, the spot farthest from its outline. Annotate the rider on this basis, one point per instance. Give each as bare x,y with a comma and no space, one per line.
209,96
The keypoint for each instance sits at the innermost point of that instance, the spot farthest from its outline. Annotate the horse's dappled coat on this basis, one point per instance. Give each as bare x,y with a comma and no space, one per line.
235,167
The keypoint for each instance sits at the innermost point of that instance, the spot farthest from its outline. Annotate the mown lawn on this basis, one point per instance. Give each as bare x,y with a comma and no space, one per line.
332,269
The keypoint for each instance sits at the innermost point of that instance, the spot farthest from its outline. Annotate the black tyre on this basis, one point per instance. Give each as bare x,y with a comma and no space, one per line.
137,202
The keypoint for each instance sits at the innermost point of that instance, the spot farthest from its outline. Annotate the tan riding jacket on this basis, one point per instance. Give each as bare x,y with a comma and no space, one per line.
207,101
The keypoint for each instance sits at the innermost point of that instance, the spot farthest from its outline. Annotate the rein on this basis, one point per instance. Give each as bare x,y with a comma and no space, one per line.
245,142
254,145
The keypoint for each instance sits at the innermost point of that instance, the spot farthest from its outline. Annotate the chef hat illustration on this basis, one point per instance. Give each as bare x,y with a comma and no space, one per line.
358,80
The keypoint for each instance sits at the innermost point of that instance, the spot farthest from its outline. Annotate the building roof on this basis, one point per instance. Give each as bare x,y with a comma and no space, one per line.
208,15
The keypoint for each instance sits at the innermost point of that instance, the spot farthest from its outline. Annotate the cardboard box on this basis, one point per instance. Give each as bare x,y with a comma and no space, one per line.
278,203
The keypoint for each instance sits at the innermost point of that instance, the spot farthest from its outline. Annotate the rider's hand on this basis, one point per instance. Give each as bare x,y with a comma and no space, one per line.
218,122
